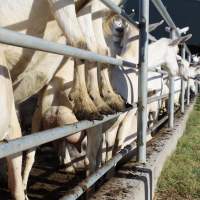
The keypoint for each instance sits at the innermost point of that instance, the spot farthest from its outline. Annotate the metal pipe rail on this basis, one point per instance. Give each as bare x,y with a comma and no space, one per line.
31,42
82,187
78,190
39,138
153,99
42,137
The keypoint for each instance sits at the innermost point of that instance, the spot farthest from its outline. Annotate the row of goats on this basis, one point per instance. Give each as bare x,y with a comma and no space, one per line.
71,89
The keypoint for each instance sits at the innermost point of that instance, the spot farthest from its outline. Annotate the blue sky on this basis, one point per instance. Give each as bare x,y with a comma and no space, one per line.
183,12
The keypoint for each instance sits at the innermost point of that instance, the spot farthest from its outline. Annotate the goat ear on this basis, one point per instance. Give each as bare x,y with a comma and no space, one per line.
180,40
154,26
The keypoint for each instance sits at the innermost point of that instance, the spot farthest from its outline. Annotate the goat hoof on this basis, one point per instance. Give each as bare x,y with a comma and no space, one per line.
105,110
84,108
102,107
115,101
85,114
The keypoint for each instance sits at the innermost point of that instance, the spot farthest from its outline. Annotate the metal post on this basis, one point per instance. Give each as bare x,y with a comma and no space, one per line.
196,87
142,81
188,84
182,85
171,102
171,92
188,92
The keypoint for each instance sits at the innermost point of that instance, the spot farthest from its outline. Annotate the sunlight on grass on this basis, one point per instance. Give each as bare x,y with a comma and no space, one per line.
180,178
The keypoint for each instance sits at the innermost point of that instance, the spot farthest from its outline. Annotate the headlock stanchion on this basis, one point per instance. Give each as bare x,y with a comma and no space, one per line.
171,92
142,81
42,137
39,138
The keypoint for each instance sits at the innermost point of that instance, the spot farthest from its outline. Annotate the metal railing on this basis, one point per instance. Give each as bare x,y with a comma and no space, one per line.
39,138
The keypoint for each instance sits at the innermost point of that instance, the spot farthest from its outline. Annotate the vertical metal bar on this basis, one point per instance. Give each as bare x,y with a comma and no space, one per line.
171,102
182,95
188,84
196,87
171,93
188,92
183,85
142,80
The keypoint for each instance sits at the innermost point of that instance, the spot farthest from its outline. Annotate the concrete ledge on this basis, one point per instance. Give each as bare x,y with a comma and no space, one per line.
133,182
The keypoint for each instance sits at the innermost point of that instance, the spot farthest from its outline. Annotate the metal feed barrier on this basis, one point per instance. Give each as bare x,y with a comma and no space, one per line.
39,138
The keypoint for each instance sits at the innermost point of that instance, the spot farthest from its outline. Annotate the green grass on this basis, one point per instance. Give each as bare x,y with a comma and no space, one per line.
180,178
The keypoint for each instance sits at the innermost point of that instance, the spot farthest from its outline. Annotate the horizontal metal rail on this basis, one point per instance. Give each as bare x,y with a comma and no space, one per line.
153,99
82,187
164,13
77,191
158,124
42,137
31,42
154,69
39,138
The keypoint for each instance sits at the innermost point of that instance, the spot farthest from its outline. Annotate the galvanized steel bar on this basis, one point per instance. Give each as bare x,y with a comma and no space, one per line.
39,138
142,80
171,92
154,69
188,84
27,41
77,191
182,96
171,102
188,92
156,98
153,99
196,87
159,123
183,85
